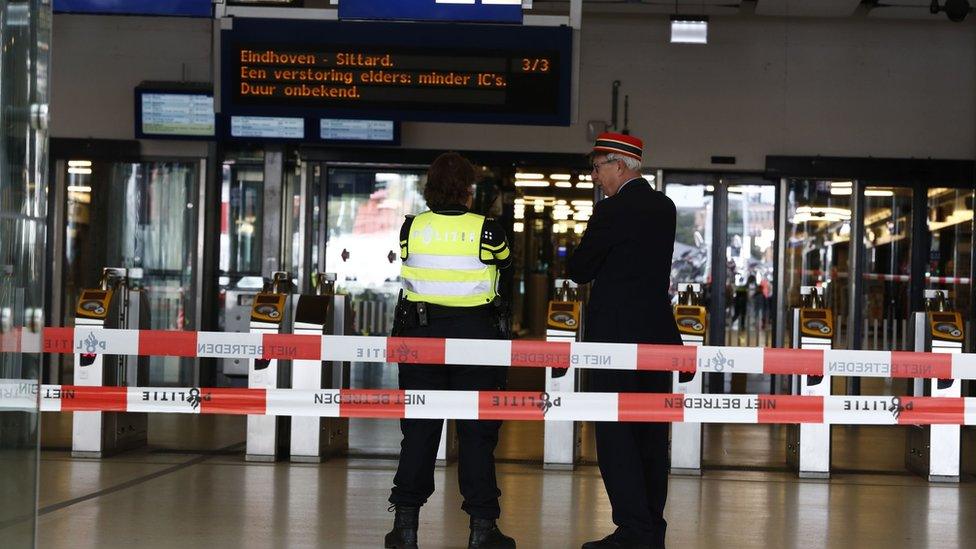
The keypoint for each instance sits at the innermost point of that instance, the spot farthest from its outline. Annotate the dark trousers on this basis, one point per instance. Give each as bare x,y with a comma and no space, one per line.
633,458
414,480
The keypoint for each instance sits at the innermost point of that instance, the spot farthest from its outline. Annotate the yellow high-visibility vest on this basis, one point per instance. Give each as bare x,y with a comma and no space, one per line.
443,264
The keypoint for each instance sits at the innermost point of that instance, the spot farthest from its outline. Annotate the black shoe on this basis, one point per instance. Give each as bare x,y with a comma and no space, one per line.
405,524
619,539
486,535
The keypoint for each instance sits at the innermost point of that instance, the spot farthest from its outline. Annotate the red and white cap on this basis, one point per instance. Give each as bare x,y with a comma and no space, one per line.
609,142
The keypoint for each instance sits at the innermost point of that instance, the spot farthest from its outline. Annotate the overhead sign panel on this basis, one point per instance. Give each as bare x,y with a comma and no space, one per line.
484,11
185,8
391,71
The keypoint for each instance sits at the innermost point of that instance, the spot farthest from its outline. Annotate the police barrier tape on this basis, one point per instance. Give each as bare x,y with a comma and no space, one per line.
509,405
493,352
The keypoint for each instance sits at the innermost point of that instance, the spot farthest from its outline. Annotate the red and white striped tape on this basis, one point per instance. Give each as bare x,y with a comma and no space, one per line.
648,407
495,352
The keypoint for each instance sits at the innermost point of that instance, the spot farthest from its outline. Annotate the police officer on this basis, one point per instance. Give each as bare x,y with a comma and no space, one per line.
451,260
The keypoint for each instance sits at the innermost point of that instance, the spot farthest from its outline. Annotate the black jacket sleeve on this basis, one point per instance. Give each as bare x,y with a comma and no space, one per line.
596,243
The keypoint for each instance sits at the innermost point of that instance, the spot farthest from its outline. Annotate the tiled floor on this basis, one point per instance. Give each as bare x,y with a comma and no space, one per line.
209,497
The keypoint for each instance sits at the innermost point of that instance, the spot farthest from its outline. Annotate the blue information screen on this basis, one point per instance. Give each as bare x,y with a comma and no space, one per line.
393,71
267,127
373,131
168,114
184,8
484,11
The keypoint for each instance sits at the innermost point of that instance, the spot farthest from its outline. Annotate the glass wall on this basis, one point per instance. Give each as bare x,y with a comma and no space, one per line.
141,216
692,257
749,253
887,268
366,207
551,209
818,247
950,226
24,34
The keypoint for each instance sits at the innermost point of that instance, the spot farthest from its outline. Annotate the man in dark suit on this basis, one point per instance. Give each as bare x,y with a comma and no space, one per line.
626,252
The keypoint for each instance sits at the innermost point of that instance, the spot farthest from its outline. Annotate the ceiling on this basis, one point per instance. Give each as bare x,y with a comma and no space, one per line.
875,9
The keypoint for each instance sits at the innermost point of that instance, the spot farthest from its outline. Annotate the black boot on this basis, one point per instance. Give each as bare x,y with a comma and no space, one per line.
486,535
405,524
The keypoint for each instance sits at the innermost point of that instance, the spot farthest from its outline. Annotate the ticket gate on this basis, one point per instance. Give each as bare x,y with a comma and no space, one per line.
564,322
270,314
933,451
808,444
117,303
692,321
324,312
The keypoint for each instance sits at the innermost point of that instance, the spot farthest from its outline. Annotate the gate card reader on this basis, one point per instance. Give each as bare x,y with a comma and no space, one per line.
692,320
564,322
94,304
269,315
315,438
808,445
117,304
933,451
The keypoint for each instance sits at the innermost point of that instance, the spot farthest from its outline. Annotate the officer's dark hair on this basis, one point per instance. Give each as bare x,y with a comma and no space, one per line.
449,181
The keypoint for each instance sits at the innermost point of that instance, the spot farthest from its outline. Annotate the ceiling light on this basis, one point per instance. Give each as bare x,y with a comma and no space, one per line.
878,192
689,29
79,189
584,185
564,184
531,183
842,191
529,176
841,184
560,176
79,163
80,171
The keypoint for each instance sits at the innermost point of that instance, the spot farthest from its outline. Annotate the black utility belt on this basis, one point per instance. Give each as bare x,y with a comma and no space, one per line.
435,312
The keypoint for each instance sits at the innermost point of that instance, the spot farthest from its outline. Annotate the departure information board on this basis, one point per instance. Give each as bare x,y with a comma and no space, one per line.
174,110
165,114
272,127
456,73
373,131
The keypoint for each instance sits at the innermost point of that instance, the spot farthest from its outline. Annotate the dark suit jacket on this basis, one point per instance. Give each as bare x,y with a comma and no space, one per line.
626,252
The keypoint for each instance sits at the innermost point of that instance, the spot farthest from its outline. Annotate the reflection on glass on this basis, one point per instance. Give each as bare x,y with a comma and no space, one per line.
365,210
887,268
692,258
140,216
241,201
291,219
818,233
25,34
749,259
550,212
950,224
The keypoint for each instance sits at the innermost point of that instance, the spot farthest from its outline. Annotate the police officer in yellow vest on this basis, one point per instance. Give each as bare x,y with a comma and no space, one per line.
451,258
